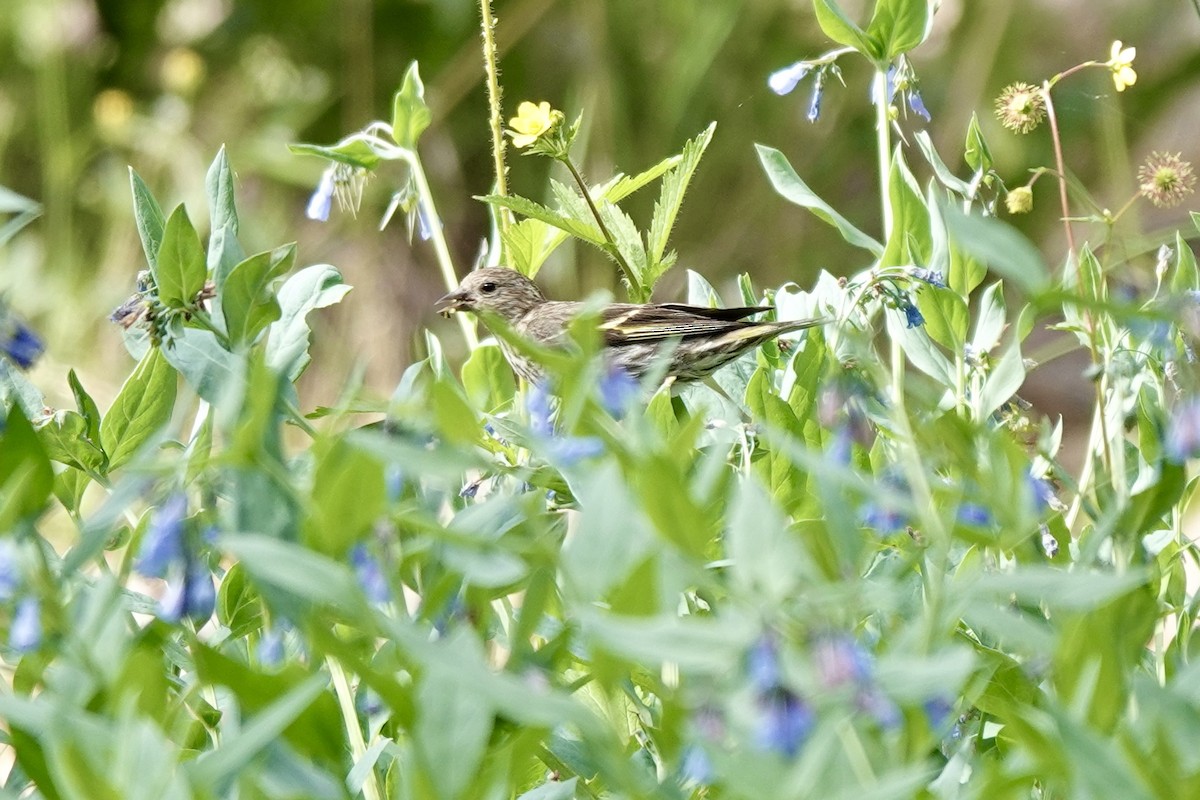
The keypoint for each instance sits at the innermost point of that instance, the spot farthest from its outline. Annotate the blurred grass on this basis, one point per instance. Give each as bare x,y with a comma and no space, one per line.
90,86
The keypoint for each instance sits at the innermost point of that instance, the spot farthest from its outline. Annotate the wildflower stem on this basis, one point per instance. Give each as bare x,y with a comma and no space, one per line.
440,249
1062,172
495,122
358,746
635,286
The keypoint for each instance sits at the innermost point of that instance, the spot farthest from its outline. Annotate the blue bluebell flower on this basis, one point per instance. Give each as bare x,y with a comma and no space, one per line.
190,594
270,647
814,102
618,391
1044,498
933,277
567,450
424,226
913,97
696,767
469,490
974,514
762,665
370,575
1183,431
839,659
883,518
912,315
783,81
25,633
783,724
321,202
537,405
162,544
877,704
20,343
938,711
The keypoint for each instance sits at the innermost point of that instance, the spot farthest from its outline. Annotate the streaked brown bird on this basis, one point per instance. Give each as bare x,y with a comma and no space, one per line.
707,338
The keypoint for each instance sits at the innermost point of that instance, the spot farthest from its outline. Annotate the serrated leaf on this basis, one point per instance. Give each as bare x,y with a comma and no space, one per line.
313,287
789,185
248,303
897,26
524,246
410,115
148,216
670,198
181,269
140,409
527,208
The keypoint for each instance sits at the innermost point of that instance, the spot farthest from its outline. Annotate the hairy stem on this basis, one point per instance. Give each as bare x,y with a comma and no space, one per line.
495,121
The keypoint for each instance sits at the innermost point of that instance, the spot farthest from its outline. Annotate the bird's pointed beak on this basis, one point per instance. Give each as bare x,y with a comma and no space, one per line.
452,302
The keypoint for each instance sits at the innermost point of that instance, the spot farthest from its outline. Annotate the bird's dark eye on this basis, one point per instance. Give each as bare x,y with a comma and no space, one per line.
488,288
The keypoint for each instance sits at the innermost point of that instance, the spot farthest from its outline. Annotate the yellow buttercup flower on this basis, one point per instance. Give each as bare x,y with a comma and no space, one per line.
532,122
1120,63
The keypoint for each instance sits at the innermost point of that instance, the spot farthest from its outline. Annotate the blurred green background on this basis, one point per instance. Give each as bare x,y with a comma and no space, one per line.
88,87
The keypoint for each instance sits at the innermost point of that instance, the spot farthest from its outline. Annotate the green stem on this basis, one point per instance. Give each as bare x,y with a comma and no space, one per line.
495,120
358,745
201,318
634,285
440,249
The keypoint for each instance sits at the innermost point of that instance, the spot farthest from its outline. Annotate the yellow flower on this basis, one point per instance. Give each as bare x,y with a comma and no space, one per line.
532,122
1120,63
1019,200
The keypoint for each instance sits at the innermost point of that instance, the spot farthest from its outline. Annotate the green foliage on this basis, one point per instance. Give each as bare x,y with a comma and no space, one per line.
870,574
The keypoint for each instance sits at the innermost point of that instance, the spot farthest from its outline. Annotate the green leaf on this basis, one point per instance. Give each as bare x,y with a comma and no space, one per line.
603,548
920,349
525,246
141,408
940,170
247,299
313,287
788,184
768,561
1003,381
218,184
991,320
897,26
348,496
1000,246
65,439
909,242
285,571
351,151
86,405
454,721
181,268
946,316
1184,276
26,477
410,115
977,154
238,606
580,228
670,197
148,216
15,388
488,378
202,361
841,29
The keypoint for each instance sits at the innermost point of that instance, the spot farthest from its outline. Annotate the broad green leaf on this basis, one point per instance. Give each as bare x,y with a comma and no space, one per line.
410,115
351,151
998,245
285,571
181,269
909,242
16,389
809,367
348,496
148,216
1003,381
605,546
788,184
768,561
86,405
202,361
454,721
670,197
897,26
525,247
946,316
920,349
313,287
976,153
488,378
991,320
699,645
65,439
1184,275
26,477
141,408
247,300
841,29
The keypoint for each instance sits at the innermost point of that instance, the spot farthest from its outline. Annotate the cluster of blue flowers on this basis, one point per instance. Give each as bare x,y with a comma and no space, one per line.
166,553
18,342
25,630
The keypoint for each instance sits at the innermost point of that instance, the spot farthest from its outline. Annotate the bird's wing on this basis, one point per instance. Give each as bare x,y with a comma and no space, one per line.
626,323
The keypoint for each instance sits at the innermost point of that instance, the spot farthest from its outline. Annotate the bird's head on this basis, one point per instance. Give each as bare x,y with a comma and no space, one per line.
497,290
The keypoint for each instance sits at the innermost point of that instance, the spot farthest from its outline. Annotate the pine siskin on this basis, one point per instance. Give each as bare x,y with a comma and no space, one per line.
708,338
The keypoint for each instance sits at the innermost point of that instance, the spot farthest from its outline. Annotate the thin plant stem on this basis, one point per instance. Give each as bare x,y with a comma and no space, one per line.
495,94
587,196
1062,171
358,745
